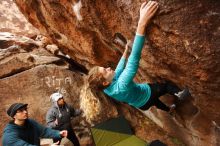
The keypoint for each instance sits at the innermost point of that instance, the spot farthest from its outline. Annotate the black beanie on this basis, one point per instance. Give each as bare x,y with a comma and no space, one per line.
14,107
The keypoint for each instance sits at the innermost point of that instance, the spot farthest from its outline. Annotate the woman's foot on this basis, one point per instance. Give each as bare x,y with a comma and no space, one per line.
183,94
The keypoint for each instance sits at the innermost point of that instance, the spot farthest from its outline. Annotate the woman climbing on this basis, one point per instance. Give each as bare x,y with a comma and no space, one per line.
119,84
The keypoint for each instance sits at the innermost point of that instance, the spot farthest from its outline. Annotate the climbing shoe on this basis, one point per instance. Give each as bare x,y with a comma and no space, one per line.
183,94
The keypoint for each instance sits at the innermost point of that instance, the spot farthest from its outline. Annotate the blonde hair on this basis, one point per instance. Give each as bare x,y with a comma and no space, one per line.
92,98
90,105
95,79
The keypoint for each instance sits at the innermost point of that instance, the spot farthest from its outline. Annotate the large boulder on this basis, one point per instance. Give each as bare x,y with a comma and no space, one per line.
182,46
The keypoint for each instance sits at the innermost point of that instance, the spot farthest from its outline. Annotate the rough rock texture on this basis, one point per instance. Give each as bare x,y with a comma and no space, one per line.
12,20
183,46
30,73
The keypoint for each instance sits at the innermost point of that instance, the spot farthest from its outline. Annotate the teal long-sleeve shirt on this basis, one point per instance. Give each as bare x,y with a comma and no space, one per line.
122,87
27,135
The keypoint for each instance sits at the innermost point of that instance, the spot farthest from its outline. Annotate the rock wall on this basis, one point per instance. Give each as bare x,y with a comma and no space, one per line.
182,46
12,20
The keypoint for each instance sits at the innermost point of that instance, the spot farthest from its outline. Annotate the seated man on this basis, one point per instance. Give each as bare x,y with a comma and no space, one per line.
22,131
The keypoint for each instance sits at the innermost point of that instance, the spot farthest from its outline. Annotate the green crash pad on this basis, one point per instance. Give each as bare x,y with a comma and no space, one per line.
131,141
115,132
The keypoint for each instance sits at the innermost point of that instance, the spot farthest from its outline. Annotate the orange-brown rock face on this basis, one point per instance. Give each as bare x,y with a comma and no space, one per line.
12,20
182,46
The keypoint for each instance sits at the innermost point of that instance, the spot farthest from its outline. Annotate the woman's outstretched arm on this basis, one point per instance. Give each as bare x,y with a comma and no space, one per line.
147,11
121,65
127,50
